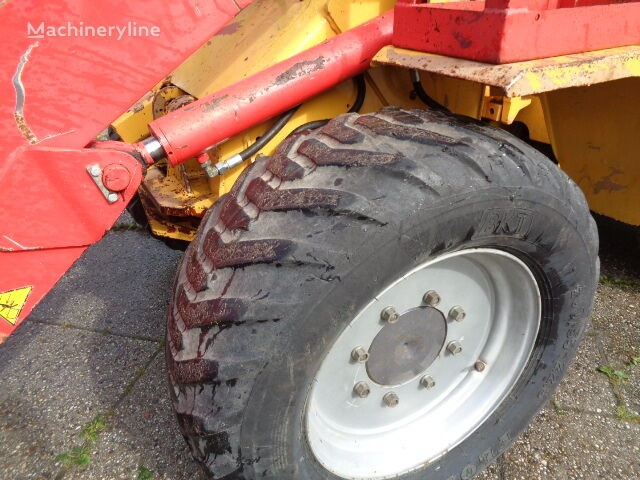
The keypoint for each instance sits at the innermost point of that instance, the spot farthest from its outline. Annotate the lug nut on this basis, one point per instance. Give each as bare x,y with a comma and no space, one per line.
361,389
112,197
431,298
390,399
360,354
457,313
427,381
95,171
454,347
480,366
389,315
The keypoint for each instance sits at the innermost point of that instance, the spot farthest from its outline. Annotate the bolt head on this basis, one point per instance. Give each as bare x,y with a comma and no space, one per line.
457,313
95,171
360,354
116,177
431,298
427,381
454,347
112,197
361,389
390,399
389,315
480,366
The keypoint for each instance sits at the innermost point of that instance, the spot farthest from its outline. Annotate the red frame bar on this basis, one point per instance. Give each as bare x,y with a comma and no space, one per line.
185,133
505,31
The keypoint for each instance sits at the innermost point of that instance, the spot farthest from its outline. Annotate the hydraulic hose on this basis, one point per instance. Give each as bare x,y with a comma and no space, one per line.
422,95
237,159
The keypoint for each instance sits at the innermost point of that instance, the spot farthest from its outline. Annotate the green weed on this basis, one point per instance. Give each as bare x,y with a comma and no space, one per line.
80,456
613,374
143,473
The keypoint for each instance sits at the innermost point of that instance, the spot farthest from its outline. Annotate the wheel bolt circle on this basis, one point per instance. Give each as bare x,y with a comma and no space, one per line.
390,399
431,298
389,315
360,354
457,313
361,389
454,347
427,381
480,366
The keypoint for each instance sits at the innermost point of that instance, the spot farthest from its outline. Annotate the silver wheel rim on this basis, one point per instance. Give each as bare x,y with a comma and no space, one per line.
442,403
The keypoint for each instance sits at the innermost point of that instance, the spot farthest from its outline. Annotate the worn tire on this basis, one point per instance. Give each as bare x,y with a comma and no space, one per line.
307,236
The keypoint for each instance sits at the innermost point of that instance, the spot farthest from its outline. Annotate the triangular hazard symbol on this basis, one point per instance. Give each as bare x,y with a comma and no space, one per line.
11,303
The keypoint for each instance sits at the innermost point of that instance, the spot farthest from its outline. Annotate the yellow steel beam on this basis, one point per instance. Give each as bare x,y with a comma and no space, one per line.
525,78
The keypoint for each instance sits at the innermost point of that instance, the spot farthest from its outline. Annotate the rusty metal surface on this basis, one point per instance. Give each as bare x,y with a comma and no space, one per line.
525,78
172,199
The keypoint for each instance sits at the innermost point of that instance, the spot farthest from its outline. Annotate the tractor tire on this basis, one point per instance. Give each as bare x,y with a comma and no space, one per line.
284,360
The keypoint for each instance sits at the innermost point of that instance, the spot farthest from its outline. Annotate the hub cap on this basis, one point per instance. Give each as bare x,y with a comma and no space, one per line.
425,394
404,349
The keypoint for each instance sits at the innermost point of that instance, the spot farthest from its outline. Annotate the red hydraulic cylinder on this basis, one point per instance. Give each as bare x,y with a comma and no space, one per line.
186,132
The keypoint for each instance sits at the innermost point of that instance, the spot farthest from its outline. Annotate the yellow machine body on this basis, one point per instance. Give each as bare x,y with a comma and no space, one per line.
584,106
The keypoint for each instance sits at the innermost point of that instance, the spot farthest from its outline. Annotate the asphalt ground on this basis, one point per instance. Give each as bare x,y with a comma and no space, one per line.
83,393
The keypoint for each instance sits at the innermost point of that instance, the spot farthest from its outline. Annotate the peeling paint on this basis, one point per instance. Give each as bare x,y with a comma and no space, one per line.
230,28
54,135
607,184
21,247
301,69
21,96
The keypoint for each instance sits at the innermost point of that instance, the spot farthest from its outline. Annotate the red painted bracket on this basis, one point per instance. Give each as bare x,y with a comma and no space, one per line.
505,31
52,210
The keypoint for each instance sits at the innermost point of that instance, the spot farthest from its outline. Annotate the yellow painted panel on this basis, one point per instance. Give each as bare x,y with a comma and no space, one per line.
262,34
349,14
595,136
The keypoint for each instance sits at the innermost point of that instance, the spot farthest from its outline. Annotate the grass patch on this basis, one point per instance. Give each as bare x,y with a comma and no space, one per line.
623,413
612,373
620,282
143,473
557,407
80,456
76,457
616,379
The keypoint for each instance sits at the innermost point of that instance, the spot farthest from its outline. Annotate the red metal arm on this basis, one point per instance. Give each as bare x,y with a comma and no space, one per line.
185,133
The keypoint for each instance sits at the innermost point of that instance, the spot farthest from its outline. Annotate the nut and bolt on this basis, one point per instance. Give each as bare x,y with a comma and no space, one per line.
116,177
360,354
454,347
390,399
389,315
457,313
427,381
112,197
361,389
431,298
95,171
480,366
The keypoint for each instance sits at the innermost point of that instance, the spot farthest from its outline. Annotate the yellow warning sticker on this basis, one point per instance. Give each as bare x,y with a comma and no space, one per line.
11,303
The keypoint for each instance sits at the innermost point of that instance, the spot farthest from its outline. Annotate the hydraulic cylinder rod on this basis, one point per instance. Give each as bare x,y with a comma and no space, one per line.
187,132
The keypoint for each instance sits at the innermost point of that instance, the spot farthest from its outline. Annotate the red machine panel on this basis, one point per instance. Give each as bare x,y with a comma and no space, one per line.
67,69
505,31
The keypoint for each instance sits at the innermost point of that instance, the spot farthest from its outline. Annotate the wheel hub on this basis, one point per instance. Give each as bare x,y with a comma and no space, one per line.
423,364
404,349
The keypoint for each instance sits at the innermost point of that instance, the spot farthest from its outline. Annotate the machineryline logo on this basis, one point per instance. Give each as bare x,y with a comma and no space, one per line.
79,29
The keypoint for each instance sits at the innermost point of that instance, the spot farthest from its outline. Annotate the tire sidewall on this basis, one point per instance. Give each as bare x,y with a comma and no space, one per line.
532,225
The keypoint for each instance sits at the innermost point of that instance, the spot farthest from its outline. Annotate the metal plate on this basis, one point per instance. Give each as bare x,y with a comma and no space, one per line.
404,349
525,78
